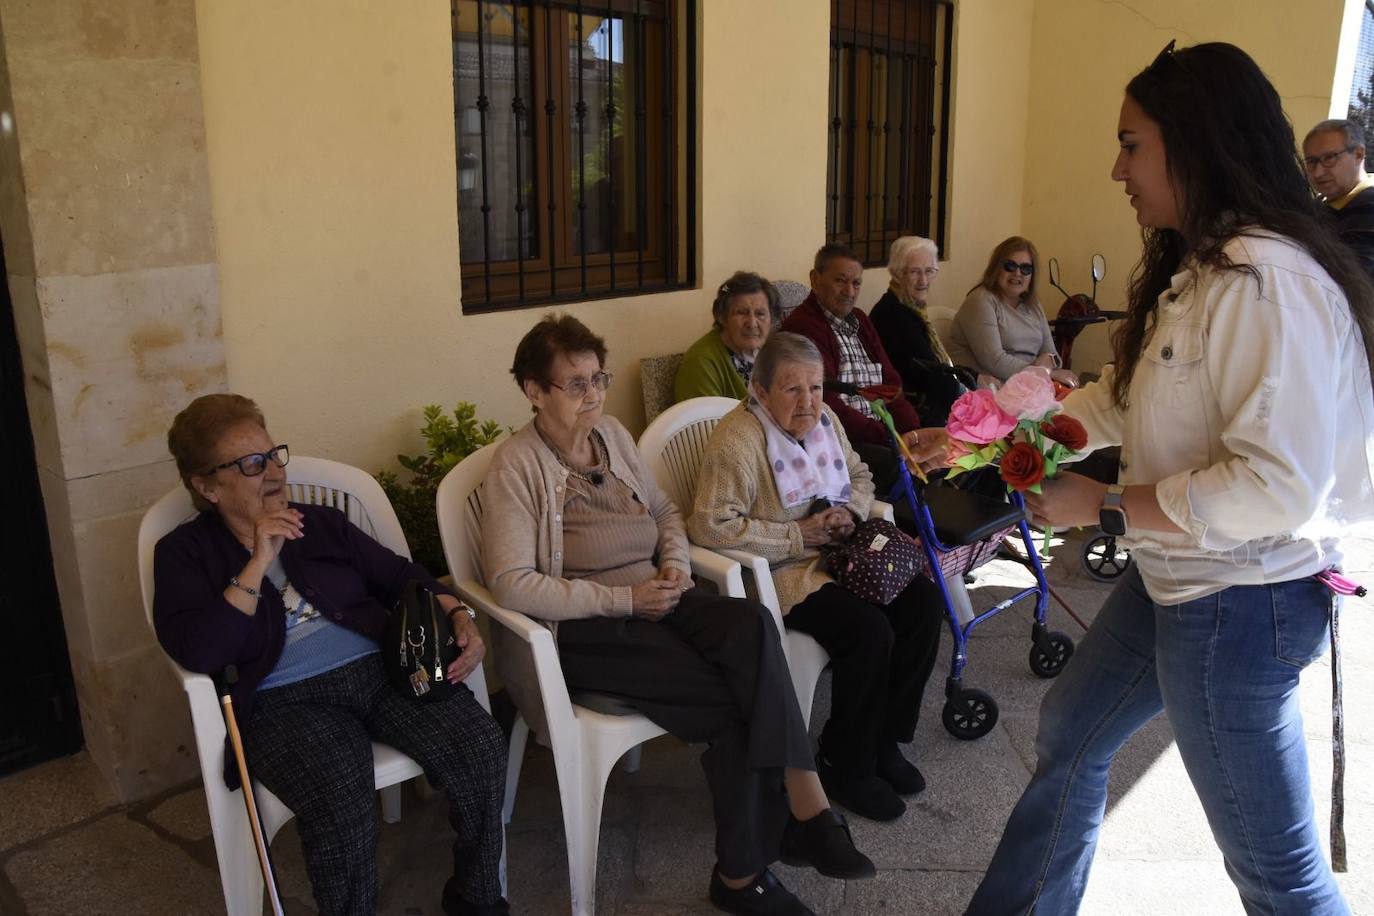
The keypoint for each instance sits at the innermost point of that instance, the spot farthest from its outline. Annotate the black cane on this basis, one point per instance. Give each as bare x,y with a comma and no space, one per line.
269,880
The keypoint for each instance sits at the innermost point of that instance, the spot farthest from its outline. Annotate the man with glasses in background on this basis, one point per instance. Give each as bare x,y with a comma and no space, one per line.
1333,153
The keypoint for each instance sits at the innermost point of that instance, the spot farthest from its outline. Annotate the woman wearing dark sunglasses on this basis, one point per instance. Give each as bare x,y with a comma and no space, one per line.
1240,396
296,598
1001,327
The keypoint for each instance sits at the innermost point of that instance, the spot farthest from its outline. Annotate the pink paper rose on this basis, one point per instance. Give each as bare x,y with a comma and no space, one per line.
975,417
955,450
1029,394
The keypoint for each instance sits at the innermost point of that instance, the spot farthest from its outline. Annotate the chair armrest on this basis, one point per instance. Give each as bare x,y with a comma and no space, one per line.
543,652
480,598
763,583
880,509
720,571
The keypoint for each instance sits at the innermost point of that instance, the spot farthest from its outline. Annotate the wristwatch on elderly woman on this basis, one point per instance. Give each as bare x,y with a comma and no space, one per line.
464,609
1111,518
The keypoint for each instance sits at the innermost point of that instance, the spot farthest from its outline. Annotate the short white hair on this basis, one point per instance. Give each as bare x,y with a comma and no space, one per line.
904,247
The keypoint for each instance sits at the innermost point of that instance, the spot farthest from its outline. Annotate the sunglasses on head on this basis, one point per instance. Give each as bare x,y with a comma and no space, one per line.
1012,267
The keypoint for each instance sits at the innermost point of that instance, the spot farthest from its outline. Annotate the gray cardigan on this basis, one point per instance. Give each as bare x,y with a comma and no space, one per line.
522,545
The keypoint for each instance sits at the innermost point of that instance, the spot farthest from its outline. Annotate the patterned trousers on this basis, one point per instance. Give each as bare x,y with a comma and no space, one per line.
310,743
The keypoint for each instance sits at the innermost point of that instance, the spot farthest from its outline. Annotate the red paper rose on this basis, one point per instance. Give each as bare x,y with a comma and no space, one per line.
1023,466
1067,431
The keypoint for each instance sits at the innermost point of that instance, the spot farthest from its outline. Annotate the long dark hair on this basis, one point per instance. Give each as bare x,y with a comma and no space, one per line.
1233,163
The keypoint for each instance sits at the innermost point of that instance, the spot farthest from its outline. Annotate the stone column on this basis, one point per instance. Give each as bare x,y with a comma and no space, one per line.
105,215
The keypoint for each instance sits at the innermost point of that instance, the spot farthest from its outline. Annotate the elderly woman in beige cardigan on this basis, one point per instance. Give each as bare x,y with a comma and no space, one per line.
576,534
780,479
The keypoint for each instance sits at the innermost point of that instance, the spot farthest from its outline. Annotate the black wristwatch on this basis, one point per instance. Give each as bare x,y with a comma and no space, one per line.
1111,518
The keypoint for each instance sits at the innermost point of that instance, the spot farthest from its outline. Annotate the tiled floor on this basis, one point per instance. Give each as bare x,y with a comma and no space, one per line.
65,847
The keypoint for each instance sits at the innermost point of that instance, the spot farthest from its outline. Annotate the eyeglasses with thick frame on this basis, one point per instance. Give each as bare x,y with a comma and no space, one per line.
1326,160
1025,267
252,465
577,388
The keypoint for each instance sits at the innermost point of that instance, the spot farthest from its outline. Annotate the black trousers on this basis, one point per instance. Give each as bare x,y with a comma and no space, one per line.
880,659
712,671
311,743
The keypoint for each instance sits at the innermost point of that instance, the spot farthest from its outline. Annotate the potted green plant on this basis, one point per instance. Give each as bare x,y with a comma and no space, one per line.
448,441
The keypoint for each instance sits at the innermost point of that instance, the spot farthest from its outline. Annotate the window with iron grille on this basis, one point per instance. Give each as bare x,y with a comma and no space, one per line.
575,126
889,123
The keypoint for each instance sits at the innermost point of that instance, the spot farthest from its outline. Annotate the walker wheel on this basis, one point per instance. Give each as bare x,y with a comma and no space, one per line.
970,714
1061,650
1103,560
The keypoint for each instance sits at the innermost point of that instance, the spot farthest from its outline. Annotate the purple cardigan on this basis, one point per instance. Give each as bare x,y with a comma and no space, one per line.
348,576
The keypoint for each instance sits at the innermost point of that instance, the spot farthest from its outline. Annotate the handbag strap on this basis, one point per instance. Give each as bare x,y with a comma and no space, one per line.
1338,857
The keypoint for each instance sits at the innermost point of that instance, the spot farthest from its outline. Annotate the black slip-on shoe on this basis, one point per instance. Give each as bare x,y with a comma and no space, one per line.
824,843
764,896
866,796
898,772
455,905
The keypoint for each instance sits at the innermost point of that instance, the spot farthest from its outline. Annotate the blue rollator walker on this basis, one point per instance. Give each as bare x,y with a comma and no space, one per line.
961,530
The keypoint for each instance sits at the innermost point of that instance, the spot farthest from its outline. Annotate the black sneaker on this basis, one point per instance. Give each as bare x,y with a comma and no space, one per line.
823,842
897,772
764,896
866,796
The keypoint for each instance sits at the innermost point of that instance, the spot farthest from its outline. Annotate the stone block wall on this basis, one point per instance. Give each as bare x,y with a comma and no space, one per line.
109,243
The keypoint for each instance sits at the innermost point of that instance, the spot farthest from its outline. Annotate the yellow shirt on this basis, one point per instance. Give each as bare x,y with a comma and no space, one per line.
1339,203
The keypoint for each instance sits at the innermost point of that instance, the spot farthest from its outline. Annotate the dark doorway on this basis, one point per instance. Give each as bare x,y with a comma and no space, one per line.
38,717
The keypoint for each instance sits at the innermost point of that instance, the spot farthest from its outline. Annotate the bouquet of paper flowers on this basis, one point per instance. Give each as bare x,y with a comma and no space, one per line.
1020,429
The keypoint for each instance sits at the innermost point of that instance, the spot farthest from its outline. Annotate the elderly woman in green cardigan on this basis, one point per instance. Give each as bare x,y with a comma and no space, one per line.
747,308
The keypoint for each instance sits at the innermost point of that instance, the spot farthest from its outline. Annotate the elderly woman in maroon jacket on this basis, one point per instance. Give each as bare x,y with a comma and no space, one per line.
296,598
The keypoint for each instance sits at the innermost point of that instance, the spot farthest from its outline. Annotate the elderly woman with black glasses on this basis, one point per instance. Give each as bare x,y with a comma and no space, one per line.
1001,327
576,534
295,598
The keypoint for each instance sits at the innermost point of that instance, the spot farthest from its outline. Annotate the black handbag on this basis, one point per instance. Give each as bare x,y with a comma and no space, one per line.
877,562
419,644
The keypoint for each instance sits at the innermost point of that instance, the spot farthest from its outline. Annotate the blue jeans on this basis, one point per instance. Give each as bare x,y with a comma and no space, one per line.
1225,670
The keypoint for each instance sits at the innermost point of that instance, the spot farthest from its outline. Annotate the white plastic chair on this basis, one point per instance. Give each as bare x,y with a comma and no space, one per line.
586,743
319,482
673,447
941,317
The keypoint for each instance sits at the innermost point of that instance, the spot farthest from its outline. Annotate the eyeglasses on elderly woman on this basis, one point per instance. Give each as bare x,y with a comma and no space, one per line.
1025,267
254,464
577,388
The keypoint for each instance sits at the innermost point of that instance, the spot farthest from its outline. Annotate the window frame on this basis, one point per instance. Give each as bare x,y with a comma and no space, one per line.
858,148
663,120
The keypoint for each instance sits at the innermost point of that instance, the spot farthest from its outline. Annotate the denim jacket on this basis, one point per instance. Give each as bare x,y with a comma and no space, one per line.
1251,412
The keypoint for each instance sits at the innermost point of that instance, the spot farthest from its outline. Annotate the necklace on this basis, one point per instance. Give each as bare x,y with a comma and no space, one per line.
594,475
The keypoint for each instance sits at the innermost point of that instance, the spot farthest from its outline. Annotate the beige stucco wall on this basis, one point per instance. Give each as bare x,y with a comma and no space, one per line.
1083,54
332,174
332,177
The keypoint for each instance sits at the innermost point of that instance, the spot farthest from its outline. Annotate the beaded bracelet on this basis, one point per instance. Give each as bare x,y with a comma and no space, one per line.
234,581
